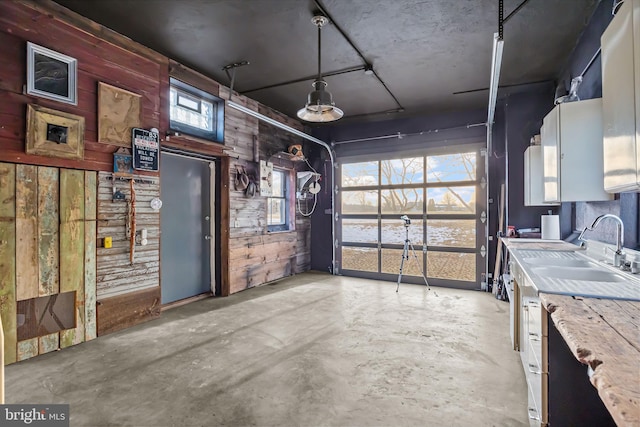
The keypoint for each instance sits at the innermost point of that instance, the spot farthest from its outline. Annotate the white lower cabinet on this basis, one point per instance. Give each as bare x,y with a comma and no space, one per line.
533,347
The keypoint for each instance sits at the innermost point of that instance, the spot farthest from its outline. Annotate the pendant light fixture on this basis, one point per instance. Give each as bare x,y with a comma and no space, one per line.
320,106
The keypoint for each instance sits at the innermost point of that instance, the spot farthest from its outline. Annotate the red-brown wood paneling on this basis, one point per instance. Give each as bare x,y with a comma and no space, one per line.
123,311
98,61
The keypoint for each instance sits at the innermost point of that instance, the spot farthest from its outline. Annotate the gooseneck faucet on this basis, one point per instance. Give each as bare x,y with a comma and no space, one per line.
619,256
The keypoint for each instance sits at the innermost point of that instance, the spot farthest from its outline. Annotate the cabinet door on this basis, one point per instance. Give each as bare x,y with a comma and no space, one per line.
533,179
580,151
636,55
619,94
550,155
527,177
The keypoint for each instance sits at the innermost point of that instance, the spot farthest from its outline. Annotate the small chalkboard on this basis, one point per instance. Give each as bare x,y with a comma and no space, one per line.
146,149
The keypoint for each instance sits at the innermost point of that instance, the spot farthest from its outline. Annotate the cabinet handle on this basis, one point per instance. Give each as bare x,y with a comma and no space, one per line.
535,415
533,370
534,337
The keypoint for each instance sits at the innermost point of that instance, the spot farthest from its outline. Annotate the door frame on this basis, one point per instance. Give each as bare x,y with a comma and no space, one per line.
219,207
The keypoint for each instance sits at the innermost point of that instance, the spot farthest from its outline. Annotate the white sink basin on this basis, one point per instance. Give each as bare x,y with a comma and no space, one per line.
582,274
574,273
559,262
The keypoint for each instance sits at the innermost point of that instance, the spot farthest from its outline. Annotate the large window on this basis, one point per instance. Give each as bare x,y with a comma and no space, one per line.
278,203
194,112
443,194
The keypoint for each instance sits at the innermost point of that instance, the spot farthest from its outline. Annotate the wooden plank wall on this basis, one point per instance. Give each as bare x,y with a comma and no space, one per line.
90,229
254,256
48,243
126,310
72,248
27,277
116,61
115,274
8,260
97,61
274,140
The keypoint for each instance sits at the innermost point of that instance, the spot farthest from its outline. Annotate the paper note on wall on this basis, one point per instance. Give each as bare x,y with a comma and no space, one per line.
266,171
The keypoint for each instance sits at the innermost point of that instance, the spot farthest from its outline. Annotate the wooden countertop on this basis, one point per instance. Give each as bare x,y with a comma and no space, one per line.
538,244
605,335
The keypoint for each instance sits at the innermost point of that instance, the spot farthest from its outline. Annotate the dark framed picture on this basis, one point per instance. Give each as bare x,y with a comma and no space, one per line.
54,133
122,164
51,74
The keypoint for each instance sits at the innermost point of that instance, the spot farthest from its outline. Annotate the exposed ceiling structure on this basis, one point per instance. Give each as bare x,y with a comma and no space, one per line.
427,56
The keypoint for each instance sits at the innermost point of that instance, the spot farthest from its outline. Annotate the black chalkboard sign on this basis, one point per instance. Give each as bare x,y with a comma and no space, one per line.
146,150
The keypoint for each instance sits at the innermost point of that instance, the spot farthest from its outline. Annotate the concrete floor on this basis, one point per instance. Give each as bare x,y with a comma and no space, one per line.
310,350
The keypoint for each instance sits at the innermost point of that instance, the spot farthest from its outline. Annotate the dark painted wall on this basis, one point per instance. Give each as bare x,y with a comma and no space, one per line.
524,112
626,204
321,217
419,132
519,116
496,179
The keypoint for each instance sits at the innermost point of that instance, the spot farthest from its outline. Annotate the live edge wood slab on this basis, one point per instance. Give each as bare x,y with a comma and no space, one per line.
605,335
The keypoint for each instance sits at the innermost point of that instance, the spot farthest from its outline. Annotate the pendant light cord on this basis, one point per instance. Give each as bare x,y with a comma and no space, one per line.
319,50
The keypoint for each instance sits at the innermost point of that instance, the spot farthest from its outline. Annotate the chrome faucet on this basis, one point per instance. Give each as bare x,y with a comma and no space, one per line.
619,257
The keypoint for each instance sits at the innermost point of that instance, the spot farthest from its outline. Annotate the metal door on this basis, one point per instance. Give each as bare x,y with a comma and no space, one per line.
185,223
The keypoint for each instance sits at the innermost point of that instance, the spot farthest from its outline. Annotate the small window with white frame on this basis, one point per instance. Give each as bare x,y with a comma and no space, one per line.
278,203
195,112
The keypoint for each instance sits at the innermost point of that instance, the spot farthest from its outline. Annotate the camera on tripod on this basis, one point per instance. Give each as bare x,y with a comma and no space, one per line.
405,253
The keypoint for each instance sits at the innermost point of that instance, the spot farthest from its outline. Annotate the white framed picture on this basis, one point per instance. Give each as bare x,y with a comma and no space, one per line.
51,74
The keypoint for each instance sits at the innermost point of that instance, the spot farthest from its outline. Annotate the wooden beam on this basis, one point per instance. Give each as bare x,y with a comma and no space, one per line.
8,260
27,276
224,174
48,230
48,245
72,239
126,310
90,200
193,78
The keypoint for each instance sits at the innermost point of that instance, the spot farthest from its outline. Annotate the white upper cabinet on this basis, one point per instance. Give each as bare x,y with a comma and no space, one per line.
572,153
533,179
621,99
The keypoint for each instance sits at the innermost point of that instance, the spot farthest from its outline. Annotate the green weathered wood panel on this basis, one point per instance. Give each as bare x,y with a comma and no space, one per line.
8,260
48,228
48,343
72,248
27,349
27,276
90,195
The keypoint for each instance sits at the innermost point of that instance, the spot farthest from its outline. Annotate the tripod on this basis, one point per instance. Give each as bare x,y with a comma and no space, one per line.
405,254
